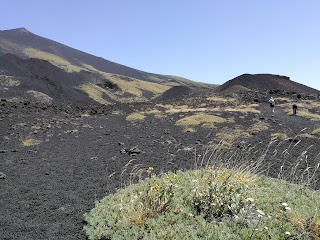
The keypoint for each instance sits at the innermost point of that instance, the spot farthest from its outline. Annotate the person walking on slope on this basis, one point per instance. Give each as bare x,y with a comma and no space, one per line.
294,108
272,103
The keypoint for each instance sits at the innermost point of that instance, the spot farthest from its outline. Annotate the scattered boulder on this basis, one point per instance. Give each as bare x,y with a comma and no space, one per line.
123,150
132,151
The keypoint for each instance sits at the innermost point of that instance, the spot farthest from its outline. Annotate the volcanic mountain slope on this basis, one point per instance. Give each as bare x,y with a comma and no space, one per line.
19,77
130,82
37,80
263,82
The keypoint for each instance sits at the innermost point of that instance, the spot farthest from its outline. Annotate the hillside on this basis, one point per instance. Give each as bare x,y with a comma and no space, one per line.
95,75
266,82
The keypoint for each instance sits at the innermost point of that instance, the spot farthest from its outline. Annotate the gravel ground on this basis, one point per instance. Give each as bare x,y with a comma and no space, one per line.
46,188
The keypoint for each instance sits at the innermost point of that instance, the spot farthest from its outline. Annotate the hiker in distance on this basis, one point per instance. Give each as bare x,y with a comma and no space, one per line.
294,108
272,103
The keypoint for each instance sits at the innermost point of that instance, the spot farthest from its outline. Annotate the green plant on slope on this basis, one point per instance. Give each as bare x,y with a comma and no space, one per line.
220,199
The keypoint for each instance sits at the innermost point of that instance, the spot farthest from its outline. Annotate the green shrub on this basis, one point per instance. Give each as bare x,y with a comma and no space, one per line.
212,203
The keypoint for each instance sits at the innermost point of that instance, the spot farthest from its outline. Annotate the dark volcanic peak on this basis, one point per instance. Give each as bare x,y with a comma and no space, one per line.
264,82
18,30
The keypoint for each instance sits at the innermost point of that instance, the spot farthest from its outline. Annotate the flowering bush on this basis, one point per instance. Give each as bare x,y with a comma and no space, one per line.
217,193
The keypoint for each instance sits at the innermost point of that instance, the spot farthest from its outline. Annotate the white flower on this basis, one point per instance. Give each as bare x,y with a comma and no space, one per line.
287,233
260,212
287,209
251,200
284,204
266,228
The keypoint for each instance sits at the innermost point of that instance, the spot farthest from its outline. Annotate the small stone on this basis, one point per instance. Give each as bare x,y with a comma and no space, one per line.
123,151
134,151
2,175
6,138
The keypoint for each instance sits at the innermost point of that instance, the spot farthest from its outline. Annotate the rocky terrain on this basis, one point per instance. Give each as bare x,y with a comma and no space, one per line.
56,161
75,127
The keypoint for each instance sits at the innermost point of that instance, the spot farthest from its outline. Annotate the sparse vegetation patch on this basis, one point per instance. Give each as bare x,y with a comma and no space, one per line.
279,136
7,81
135,117
40,97
259,127
53,59
200,119
94,92
306,108
29,142
220,100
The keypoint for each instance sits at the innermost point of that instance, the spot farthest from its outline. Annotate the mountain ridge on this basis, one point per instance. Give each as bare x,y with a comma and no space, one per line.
31,40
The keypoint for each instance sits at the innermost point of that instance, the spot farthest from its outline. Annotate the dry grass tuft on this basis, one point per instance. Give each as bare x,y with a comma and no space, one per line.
259,127
6,81
222,100
94,92
305,135
316,132
279,136
251,108
200,119
135,117
134,86
30,142
160,116
40,97
314,227
54,59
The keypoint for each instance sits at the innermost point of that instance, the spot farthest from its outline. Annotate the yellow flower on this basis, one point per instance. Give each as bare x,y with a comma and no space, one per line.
150,169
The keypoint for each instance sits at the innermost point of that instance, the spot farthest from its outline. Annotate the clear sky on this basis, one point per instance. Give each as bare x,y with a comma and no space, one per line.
204,40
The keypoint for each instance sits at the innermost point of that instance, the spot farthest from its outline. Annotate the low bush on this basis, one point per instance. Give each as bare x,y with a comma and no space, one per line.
211,203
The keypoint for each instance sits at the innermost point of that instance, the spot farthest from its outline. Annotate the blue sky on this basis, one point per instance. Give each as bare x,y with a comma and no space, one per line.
207,40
